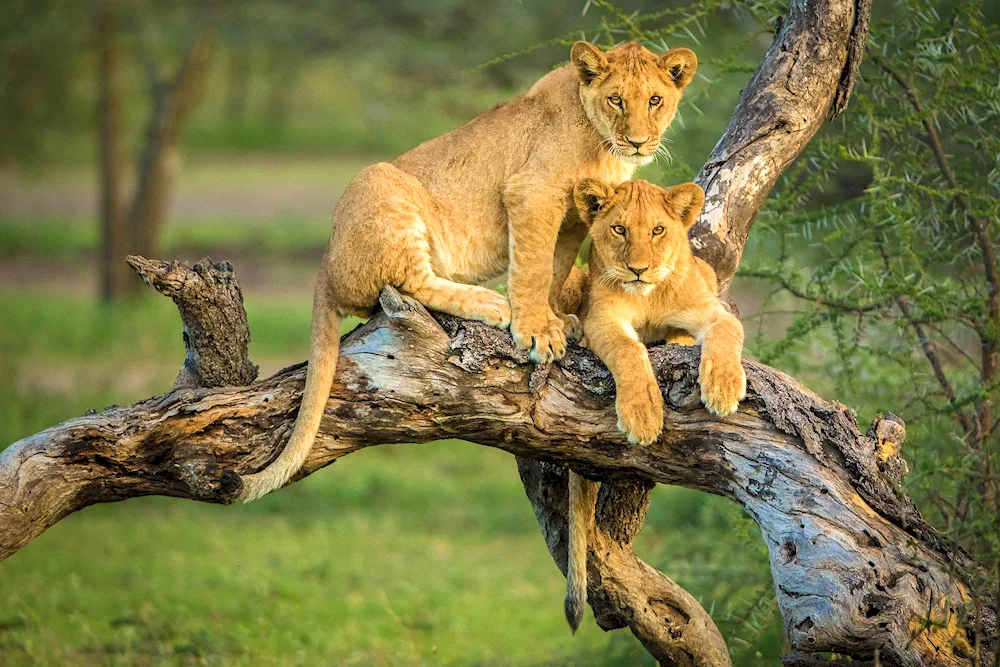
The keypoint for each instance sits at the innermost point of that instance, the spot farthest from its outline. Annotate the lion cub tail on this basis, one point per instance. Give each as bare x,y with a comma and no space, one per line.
324,349
582,496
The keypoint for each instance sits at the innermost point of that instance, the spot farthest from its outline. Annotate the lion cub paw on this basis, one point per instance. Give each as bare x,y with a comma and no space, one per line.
723,385
572,328
490,308
545,344
640,413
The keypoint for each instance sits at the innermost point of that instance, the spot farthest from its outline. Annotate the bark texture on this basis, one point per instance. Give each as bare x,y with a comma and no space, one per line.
670,623
806,75
216,334
855,566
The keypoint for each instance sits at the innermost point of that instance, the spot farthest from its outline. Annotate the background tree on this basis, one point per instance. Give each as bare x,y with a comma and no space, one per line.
174,97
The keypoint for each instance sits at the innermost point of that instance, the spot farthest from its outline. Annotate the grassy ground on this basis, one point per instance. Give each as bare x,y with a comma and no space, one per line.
397,555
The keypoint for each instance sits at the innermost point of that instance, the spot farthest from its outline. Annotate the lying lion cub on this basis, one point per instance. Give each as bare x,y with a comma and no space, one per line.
458,210
644,285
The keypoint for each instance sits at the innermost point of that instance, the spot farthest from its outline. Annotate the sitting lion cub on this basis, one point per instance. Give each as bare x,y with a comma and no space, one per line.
644,284
489,198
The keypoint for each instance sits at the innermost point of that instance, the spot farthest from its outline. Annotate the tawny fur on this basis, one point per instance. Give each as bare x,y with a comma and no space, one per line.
492,196
644,285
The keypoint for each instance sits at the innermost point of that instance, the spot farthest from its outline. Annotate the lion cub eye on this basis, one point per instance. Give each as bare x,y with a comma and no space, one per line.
616,101
618,229
654,101
657,231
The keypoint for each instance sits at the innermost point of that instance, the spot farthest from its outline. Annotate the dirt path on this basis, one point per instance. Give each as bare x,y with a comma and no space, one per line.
253,188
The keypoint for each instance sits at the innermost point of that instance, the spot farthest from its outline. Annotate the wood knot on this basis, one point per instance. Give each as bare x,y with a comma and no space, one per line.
889,432
230,485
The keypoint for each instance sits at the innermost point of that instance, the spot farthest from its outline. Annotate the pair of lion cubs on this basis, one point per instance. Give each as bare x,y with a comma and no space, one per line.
517,190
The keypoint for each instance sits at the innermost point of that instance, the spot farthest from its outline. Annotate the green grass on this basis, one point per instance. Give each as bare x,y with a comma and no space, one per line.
413,554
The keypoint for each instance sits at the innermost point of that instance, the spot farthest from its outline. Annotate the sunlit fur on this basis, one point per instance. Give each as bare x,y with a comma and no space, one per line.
675,294
639,208
488,198
645,285
646,87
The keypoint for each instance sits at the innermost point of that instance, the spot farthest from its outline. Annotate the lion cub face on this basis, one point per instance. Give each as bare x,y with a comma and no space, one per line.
631,95
639,229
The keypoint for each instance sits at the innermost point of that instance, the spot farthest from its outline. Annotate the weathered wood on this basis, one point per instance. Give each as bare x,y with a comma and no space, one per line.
216,334
626,592
855,566
806,75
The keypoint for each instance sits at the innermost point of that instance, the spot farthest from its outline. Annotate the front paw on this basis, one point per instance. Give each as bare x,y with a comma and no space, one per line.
723,385
544,343
572,328
491,308
640,413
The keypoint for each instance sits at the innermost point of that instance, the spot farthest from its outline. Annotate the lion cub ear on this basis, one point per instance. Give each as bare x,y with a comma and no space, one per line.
591,196
590,61
680,65
685,201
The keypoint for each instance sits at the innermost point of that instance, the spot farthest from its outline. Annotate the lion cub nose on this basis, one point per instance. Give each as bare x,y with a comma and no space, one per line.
638,270
637,142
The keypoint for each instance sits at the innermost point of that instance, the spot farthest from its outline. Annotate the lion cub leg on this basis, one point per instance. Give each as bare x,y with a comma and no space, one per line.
721,377
535,214
566,290
639,402
467,301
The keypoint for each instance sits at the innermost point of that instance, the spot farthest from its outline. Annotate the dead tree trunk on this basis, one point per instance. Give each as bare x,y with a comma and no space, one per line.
856,567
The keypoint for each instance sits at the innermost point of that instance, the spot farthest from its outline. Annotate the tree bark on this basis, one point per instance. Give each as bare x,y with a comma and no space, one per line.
806,75
670,623
855,566
216,334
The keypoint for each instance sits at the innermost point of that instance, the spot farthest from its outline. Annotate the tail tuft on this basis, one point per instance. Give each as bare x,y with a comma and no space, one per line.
582,495
574,609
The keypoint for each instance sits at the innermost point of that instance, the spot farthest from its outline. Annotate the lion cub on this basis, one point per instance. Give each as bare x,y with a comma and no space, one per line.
492,197
644,284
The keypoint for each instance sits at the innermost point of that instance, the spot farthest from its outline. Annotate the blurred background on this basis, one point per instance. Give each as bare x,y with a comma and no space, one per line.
192,128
